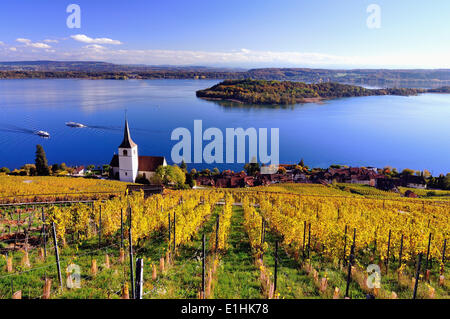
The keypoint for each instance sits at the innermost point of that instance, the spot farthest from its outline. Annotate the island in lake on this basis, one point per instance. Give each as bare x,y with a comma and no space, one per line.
287,92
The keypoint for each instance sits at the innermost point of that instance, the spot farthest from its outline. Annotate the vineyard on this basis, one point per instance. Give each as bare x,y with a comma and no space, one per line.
22,189
286,241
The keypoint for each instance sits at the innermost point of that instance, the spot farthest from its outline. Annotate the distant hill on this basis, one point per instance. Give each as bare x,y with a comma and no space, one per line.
288,92
418,78
88,66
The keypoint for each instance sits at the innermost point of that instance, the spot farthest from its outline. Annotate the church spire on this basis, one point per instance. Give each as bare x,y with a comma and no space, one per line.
127,141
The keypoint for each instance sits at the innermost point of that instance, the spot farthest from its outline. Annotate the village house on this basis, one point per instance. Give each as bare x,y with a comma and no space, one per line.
127,165
78,171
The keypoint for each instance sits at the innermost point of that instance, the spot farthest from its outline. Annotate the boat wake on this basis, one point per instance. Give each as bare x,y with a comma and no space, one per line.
15,129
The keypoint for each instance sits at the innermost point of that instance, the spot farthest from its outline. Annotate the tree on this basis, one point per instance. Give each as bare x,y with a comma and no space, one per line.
215,171
5,170
190,179
55,168
30,169
282,170
408,172
183,166
252,168
170,175
106,168
64,167
302,163
426,173
42,168
446,181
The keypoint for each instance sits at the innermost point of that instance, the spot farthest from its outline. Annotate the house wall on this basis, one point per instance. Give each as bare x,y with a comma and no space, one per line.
412,185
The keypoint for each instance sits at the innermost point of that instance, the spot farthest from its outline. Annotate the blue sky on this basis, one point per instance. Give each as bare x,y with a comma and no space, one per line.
245,33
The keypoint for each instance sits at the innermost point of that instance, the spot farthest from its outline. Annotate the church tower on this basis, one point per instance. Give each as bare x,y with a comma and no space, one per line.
128,157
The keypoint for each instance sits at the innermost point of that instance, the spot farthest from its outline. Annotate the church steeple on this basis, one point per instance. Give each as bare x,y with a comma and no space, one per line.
127,141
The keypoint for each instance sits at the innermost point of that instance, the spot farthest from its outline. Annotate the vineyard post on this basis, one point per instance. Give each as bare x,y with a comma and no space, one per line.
30,219
262,231
304,238
416,282
130,215
121,228
349,273
58,266
309,238
100,226
174,233
276,268
344,262
428,252
130,246
168,225
387,253
375,242
139,277
217,231
203,265
443,251
400,255
44,235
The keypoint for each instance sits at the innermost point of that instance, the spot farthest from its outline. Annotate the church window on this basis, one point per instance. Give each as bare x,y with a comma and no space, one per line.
125,153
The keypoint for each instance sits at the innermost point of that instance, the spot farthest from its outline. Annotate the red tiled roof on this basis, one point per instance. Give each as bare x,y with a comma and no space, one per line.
146,163
150,163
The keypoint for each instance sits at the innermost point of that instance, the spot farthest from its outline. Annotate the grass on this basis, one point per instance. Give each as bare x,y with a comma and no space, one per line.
237,274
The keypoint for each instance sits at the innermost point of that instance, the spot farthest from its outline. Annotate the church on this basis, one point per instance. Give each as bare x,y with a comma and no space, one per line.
127,165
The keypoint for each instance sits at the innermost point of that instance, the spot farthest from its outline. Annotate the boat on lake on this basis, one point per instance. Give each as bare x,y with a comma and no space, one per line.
42,134
75,124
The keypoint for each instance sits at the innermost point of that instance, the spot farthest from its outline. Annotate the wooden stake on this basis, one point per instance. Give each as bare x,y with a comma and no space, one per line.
154,274
17,295
94,267
9,264
125,292
121,255
47,288
107,263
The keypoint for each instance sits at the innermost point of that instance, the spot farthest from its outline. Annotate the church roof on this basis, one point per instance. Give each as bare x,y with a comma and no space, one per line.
127,141
150,163
146,163
114,161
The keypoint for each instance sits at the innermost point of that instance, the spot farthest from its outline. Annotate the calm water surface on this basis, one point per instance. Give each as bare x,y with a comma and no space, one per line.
411,132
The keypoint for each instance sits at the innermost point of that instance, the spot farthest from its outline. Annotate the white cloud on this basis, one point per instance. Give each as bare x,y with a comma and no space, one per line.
94,46
1,43
13,49
85,39
22,40
29,43
50,41
39,45
241,57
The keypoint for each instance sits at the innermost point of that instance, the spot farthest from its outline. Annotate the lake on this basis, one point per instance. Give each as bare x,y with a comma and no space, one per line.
404,132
